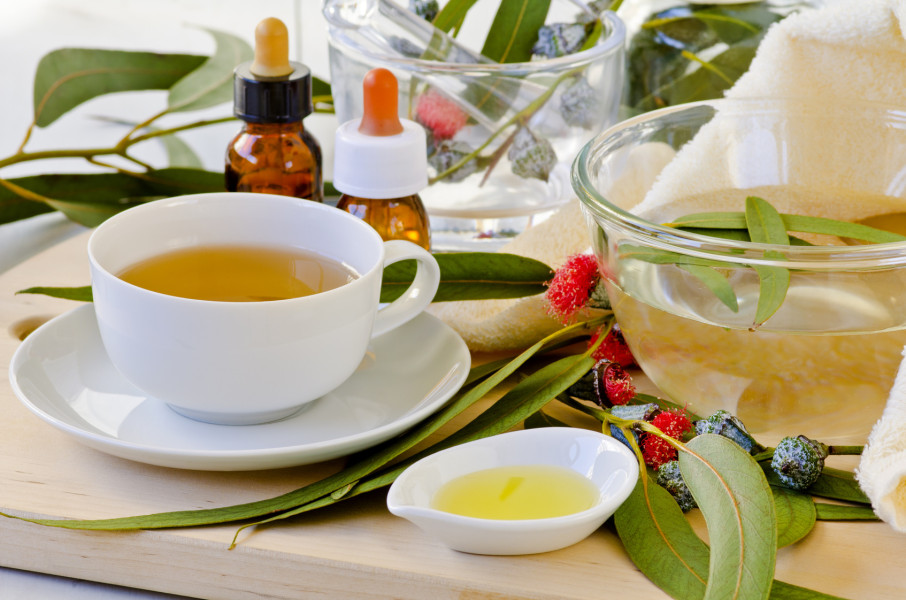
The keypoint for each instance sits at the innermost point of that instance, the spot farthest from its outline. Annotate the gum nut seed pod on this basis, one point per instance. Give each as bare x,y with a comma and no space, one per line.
531,156
635,412
797,462
670,478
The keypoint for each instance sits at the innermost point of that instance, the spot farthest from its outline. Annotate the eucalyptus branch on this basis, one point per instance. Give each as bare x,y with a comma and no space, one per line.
23,192
171,130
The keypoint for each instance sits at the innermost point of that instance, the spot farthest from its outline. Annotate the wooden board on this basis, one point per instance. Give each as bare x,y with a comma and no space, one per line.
353,550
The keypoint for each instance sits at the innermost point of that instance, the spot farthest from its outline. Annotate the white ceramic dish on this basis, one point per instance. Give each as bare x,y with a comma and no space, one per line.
607,462
62,374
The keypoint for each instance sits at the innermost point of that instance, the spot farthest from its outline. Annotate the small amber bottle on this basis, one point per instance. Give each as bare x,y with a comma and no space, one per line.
380,165
273,153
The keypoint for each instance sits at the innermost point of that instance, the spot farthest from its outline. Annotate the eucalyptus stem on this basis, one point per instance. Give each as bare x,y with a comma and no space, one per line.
23,192
521,117
845,450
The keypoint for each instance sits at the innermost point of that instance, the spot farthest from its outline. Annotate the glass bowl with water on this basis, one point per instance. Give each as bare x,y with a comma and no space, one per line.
823,364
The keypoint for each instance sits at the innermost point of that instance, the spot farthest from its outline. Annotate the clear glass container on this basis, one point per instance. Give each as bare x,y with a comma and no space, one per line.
824,363
481,106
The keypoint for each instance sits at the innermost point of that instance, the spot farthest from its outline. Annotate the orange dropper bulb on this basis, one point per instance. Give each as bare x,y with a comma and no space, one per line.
271,49
380,117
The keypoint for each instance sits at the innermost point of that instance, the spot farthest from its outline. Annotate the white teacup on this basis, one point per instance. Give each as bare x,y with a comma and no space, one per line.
245,362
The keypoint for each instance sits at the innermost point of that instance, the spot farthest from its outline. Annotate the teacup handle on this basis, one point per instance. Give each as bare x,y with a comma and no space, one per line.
417,296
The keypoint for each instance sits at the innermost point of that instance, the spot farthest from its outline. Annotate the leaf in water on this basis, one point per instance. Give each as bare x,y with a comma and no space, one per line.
211,83
773,284
716,282
841,512
68,77
660,541
795,515
764,223
81,294
734,23
474,276
766,226
856,231
736,502
515,30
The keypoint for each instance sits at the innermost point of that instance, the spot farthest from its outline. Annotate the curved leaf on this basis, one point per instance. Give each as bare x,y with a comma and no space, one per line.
736,501
68,77
716,282
212,82
80,294
474,276
515,30
842,512
795,515
660,541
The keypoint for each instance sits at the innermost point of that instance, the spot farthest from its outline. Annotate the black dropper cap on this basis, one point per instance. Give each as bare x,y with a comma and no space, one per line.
285,99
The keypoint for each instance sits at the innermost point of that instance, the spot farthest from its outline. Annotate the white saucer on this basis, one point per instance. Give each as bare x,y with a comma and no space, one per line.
61,372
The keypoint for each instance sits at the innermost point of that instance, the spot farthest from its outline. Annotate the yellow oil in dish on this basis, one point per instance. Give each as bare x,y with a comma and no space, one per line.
517,492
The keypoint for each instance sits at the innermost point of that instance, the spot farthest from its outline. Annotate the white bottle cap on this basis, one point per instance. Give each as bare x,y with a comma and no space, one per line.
379,167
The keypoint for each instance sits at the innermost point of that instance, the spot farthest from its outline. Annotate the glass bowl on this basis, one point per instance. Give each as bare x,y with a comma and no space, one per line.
823,364
468,103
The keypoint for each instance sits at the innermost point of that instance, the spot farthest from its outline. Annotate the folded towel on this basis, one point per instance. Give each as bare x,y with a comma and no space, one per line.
882,468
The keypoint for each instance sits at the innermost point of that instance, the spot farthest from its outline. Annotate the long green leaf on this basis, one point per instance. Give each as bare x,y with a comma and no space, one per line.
317,490
464,276
212,82
733,220
90,198
474,276
68,77
736,502
660,541
765,226
515,30
716,282
842,512
788,591
451,16
795,515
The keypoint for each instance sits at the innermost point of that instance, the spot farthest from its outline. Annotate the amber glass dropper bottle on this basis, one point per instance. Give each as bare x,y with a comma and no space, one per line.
273,153
380,165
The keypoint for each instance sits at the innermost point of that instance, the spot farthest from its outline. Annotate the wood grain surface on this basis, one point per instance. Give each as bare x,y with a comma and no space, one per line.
355,549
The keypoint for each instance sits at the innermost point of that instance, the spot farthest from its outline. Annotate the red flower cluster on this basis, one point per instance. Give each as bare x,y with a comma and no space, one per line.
573,283
613,348
658,451
439,114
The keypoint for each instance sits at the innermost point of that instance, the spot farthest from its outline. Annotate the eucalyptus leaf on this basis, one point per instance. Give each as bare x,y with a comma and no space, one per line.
788,591
211,83
514,30
736,502
703,83
542,419
451,16
842,512
765,226
731,220
313,495
474,276
80,294
795,515
68,77
716,282
660,541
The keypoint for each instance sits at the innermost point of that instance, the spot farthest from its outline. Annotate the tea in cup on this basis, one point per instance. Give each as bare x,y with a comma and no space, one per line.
240,308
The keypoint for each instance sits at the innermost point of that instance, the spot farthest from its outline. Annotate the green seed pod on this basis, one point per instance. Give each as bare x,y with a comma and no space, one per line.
798,461
670,478
730,427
